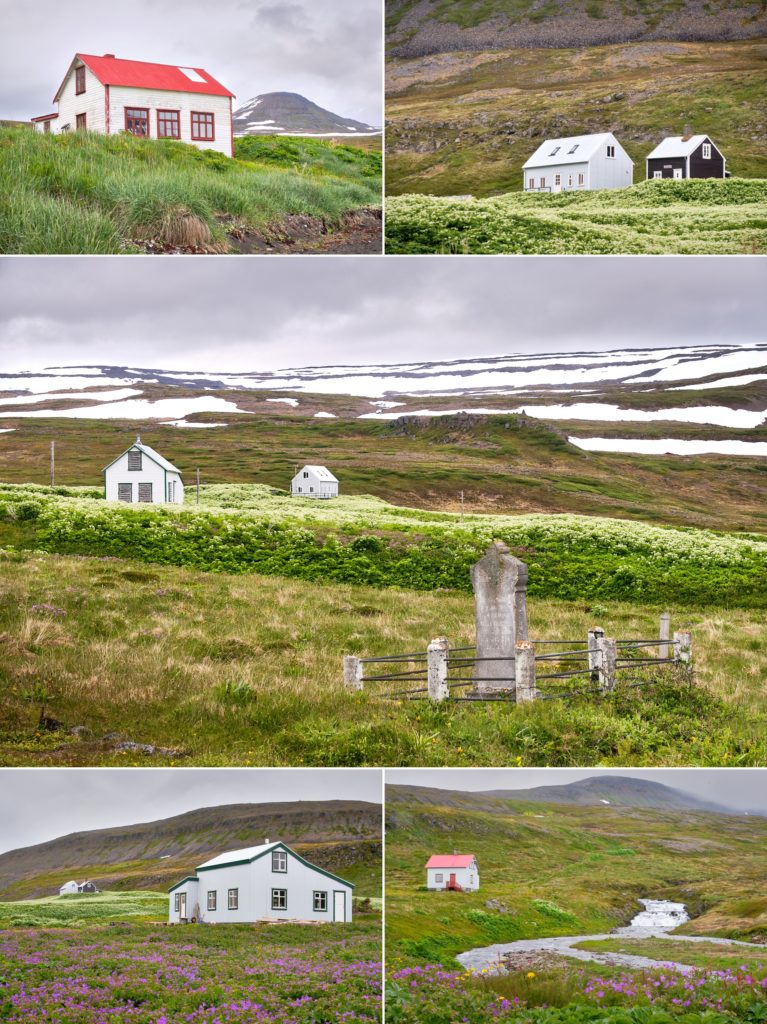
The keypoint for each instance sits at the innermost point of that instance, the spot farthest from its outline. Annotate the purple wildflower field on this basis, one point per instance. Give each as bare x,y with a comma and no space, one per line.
429,994
128,974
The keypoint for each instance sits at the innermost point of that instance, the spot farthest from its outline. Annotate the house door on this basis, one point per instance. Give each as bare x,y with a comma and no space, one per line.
677,172
452,880
182,907
339,906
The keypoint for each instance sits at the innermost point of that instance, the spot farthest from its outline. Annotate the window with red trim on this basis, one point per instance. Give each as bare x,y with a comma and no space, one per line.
168,124
80,79
137,121
80,124
203,127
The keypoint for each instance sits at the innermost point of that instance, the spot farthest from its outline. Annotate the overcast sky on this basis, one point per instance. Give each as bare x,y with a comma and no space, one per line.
260,313
39,804
327,50
736,788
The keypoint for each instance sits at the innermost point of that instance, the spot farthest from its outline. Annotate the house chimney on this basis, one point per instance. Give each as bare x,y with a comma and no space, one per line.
266,841
109,55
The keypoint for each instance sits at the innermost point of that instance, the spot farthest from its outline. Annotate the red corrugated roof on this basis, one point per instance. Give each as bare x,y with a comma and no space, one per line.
455,860
143,75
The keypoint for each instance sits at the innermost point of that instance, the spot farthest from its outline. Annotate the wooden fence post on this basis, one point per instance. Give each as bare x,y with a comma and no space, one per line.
353,672
683,646
524,670
608,655
594,636
665,620
436,668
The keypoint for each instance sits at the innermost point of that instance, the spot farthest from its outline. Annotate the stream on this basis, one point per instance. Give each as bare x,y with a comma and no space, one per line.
657,920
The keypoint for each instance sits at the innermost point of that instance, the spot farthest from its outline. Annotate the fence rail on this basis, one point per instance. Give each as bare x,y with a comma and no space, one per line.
447,670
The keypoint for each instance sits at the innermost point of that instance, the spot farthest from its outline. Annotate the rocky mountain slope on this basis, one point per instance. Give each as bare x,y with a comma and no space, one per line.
340,835
288,113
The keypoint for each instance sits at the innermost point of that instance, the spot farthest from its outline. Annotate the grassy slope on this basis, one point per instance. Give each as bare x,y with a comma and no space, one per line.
461,123
591,863
500,465
653,217
84,193
79,911
247,670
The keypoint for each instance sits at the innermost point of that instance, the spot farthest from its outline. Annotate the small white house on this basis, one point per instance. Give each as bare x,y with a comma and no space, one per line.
141,474
69,889
457,872
314,482
580,163
108,95
270,882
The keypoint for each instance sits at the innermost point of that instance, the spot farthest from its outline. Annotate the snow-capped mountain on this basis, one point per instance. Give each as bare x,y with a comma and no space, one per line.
288,113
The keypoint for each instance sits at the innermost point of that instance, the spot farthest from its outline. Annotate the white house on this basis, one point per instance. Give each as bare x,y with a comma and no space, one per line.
69,889
142,474
109,95
314,482
582,162
270,882
457,872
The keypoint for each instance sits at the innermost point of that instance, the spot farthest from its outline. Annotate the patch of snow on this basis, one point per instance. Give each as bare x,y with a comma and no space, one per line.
37,384
55,396
726,382
190,426
741,359
386,405
669,446
325,416
604,801
7,430
136,409
285,401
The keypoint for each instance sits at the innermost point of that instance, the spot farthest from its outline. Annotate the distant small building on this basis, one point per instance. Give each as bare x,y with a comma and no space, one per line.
457,872
69,889
314,482
269,882
109,95
87,887
686,156
141,474
578,163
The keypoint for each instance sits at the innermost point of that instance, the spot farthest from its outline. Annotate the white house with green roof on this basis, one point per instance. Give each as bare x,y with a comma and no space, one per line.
269,882
141,474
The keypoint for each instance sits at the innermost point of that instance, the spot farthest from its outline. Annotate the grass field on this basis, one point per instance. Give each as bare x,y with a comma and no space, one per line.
539,866
682,217
466,121
77,911
85,193
234,974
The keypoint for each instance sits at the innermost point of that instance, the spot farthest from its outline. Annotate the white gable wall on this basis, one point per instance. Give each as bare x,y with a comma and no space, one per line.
312,485
600,171
121,96
91,103
193,906
118,473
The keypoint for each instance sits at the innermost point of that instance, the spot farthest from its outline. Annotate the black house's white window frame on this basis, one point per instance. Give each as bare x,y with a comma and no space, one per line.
279,857
319,898
233,899
279,899
212,901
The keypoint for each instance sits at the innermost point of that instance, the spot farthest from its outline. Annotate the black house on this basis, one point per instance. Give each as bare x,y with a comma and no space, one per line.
88,887
687,156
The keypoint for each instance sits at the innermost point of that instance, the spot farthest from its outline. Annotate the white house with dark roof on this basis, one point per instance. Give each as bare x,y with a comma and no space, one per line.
578,163
141,474
457,872
686,156
269,882
108,95
314,482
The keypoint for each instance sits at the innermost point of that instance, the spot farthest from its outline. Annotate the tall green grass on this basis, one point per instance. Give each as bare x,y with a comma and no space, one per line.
86,193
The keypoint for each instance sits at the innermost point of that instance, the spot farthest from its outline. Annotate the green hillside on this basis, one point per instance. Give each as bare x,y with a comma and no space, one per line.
464,122
86,193
562,870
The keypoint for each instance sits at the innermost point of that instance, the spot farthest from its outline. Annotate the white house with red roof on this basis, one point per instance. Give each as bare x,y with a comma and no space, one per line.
456,871
109,95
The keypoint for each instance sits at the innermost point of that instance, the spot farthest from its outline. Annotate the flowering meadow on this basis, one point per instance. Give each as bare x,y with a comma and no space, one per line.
712,216
433,995
196,975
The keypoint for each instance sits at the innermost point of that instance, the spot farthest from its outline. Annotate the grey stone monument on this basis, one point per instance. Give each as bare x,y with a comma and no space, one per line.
500,596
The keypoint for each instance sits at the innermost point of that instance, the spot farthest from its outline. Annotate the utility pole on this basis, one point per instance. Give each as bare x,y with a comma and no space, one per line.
461,506
198,485
53,463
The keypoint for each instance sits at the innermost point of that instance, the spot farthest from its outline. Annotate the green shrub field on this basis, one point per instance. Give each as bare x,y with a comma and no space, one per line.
715,217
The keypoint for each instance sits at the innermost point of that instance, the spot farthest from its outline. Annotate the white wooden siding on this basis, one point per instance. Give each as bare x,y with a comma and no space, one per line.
467,878
91,103
118,473
121,97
